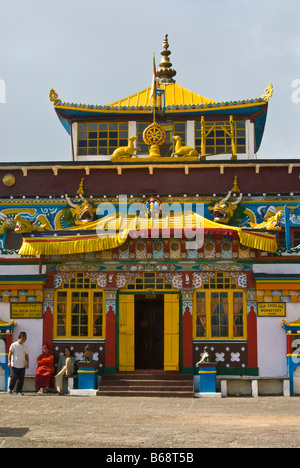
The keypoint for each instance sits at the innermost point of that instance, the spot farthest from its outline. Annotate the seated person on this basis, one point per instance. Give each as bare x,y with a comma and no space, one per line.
45,370
66,366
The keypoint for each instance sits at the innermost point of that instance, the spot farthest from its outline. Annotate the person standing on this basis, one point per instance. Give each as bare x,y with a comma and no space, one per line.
18,362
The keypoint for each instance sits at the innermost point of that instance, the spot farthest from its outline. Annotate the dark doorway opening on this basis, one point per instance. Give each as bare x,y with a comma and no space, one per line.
149,332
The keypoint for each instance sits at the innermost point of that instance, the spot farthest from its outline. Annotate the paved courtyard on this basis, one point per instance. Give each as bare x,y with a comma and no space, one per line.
36,420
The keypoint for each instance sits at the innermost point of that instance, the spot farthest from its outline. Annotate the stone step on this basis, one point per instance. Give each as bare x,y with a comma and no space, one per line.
144,393
147,376
137,387
150,384
145,383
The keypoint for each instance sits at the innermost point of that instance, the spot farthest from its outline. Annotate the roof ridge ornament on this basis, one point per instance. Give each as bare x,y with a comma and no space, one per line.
166,73
54,97
268,93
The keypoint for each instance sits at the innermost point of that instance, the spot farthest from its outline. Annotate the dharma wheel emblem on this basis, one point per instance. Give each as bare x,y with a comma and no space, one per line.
154,134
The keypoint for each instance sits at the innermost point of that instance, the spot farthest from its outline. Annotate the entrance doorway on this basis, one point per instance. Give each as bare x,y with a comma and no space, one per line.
149,332
137,349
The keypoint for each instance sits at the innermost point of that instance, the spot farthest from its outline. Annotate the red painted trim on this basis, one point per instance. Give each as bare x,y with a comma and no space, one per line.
290,339
9,340
50,280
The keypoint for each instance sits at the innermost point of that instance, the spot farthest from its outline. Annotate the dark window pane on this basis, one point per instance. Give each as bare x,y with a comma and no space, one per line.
179,126
82,127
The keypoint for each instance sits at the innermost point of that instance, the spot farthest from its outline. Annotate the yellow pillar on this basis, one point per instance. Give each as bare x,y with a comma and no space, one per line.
171,324
126,332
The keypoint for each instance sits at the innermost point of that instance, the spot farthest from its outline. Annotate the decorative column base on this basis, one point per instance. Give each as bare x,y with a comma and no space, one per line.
205,381
87,375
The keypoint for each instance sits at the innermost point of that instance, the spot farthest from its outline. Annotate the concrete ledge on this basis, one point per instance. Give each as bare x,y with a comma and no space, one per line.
83,392
208,395
254,386
68,383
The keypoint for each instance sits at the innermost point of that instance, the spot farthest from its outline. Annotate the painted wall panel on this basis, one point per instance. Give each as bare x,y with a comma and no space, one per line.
272,343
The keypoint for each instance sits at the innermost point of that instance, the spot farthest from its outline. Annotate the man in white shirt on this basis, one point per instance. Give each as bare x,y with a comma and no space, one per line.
18,362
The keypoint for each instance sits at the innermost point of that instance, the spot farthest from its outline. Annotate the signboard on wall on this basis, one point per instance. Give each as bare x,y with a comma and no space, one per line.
271,309
26,310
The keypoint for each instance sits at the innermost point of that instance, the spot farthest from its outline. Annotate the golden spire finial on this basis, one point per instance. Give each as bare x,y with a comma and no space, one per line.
235,188
80,190
166,73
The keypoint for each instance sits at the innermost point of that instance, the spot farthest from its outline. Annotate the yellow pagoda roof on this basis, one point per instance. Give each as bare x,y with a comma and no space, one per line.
291,324
175,95
7,325
112,231
172,98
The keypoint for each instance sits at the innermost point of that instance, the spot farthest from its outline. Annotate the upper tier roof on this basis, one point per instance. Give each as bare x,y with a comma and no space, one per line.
175,101
175,95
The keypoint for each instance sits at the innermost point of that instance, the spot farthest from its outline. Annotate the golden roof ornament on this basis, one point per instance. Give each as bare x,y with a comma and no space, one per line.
166,73
54,97
268,93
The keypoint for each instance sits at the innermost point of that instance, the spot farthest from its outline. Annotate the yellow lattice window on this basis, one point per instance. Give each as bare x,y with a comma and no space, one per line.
140,127
149,281
220,309
180,130
101,138
218,137
79,309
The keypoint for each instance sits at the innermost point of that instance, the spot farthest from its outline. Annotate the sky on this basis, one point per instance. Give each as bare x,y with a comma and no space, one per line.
96,52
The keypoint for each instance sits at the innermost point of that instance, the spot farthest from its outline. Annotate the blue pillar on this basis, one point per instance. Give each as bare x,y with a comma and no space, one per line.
208,378
87,375
293,362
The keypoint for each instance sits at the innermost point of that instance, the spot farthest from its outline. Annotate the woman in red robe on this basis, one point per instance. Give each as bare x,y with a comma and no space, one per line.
45,370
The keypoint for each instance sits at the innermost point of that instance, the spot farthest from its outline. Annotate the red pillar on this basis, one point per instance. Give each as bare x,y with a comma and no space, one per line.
110,340
252,337
48,323
187,334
